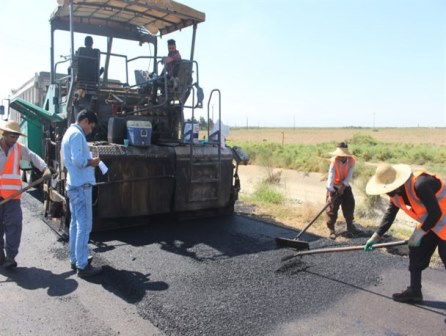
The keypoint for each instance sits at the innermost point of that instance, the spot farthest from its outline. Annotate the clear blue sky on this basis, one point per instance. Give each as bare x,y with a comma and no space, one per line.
303,63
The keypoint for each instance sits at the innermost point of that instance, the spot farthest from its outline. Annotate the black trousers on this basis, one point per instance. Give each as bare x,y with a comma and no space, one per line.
347,203
420,257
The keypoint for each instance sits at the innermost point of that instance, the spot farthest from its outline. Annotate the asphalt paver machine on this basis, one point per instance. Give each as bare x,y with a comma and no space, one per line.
154,166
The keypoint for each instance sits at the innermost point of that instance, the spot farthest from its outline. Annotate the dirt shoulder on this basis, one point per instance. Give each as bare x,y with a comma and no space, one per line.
304,190
297,186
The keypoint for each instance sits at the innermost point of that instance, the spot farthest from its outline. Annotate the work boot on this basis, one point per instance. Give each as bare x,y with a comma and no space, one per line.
332,234
353,230
2,257
9,263
88,271
409,295
74,267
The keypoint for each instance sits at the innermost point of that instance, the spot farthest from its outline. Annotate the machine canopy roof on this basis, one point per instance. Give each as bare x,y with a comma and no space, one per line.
103,16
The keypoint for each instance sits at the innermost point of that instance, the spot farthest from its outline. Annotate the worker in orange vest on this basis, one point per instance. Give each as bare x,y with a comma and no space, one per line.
10,182
339,191
422,196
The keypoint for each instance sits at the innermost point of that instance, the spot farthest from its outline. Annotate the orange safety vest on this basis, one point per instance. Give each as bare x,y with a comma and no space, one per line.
417,210
10,179
341,170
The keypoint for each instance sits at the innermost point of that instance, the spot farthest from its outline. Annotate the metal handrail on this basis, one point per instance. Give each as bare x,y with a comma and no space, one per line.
219,118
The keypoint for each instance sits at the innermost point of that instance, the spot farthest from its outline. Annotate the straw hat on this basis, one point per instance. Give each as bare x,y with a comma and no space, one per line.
341,150
388,178
11,126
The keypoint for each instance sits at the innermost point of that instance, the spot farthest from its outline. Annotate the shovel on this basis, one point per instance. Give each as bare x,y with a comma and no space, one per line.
345,248
295,242
19,192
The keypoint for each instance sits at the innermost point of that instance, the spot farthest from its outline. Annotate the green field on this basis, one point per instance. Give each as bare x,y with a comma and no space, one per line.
307,149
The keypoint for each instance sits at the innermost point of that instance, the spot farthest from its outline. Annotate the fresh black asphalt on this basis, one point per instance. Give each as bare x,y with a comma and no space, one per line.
224,276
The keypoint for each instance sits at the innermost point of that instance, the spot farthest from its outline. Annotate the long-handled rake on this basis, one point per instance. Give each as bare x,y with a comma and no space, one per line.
21,191
345,249
295,242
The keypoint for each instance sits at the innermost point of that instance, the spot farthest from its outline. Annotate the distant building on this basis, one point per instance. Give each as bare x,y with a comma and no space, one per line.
33,91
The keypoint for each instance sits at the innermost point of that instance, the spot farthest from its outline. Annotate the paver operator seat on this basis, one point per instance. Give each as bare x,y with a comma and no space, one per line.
88,61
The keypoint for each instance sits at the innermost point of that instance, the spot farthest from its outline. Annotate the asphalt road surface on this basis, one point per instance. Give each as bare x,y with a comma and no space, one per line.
210,277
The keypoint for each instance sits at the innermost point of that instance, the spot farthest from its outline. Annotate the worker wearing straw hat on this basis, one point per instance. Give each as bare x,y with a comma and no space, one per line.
339,191
11,153
422,196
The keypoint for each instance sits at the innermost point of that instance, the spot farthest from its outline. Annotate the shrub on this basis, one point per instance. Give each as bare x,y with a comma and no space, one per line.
266,193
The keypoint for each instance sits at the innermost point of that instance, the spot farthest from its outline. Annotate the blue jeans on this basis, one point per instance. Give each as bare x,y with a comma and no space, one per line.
81,224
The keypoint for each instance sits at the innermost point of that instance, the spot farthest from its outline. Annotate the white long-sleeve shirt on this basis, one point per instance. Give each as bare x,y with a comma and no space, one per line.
331,176
25,154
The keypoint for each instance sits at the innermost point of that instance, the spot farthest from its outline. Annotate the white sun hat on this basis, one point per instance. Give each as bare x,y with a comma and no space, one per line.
11,126
387,178
341,150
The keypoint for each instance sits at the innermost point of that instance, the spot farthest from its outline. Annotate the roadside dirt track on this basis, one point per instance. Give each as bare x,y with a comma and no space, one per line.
301,188
296,185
